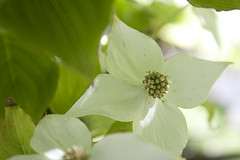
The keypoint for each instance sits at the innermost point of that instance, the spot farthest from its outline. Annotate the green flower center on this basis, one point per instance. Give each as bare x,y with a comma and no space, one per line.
75,153
156,84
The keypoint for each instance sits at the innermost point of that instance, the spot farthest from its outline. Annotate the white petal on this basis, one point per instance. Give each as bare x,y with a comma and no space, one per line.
130,54
127,147
165,126
60,131
191,79
54,154
111,97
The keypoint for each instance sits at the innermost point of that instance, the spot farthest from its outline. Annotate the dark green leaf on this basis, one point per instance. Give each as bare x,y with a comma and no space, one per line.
16,132
69,29
219,5
27,75
71,85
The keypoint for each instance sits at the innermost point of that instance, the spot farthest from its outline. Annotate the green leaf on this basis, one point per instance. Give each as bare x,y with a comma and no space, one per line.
164,125
28,157
111,97
191,79
132,13
127,147
69,29
71,85
59,131
146,18
219,5
130,54
28,75
97,125
121,127
16,132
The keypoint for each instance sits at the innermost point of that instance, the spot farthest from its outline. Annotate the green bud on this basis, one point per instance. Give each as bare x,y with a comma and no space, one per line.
156,84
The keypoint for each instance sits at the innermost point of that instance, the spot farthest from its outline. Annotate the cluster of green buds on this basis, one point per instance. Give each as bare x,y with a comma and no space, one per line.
156,84
75,153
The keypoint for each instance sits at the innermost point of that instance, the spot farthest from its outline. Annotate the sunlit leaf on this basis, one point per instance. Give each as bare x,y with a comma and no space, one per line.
16,132
219,5
59,131
27,75
69,29
71,85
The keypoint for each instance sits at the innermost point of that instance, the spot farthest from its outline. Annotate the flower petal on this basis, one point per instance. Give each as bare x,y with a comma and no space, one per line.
130,54
191,79
28,157
60,132
111,97
127,147
165,126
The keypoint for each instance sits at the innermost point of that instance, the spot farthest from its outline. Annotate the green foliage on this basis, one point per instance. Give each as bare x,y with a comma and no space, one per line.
71,85
69,29
29,76
16,132
219,5
146,18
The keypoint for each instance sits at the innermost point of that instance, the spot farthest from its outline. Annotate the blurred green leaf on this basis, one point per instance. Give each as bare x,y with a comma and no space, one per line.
135,15
27,75
97,125
208,20
216,114
146,18
219,5
71,85
69,29
16,132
